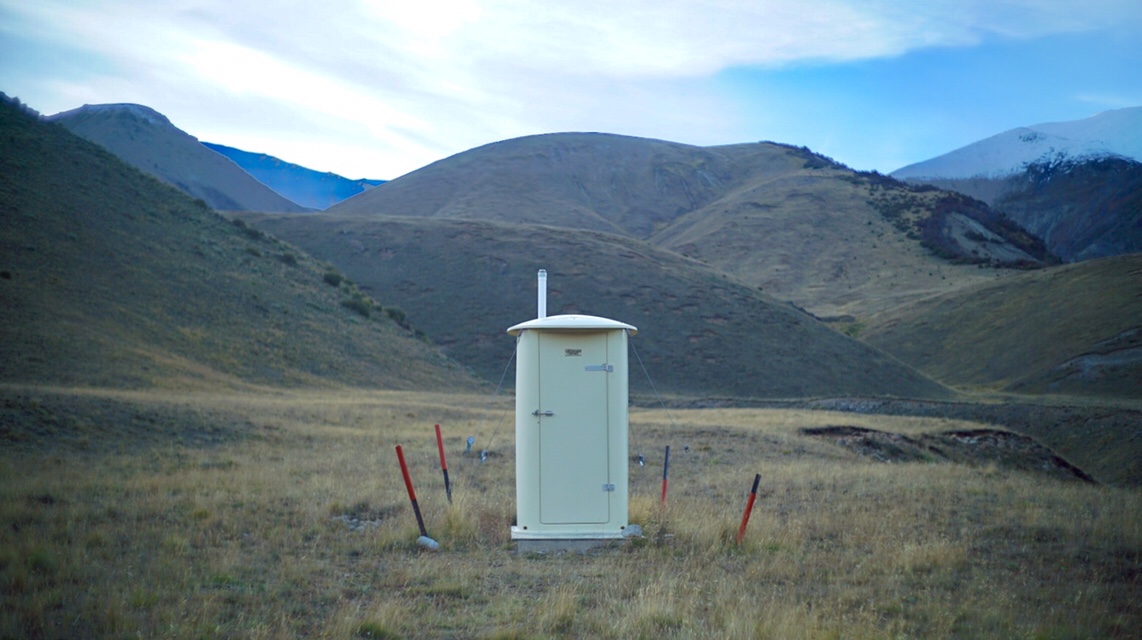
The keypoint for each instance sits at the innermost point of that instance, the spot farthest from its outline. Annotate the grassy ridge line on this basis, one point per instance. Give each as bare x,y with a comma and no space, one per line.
700,332
821,237
599,182
111,278
799,225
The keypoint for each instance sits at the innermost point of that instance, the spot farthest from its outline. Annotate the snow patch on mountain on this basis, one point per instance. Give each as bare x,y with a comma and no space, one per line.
1108,134
146,114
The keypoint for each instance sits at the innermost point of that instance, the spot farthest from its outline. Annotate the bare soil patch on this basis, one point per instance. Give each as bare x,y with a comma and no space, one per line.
1105,441
1004,449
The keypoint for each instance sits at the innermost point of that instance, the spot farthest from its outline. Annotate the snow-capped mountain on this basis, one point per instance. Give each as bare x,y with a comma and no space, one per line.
1076,185
1108,134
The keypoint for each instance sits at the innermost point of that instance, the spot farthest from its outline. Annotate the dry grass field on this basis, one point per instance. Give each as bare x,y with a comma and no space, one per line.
282,514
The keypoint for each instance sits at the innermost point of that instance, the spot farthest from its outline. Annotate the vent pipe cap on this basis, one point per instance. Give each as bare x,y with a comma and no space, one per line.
542,294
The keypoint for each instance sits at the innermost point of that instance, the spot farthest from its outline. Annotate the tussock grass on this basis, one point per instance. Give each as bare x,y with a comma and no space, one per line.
298,526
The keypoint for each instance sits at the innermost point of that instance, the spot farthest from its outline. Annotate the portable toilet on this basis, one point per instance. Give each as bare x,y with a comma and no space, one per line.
571,430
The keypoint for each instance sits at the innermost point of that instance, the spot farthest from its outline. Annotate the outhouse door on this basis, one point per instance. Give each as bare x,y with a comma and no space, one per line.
574,430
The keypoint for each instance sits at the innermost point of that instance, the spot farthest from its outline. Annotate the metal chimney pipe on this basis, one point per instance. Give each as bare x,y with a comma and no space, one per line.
542,293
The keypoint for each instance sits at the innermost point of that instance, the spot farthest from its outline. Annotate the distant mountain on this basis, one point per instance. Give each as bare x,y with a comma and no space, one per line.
146,139
1072,329
701,333
110,278
796,224
1108,134
1075,185
306,187
1081,209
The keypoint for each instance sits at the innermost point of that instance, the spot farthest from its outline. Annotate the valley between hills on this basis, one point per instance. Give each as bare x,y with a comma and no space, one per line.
755,272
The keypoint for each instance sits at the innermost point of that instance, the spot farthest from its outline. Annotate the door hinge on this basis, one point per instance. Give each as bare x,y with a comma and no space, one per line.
608,487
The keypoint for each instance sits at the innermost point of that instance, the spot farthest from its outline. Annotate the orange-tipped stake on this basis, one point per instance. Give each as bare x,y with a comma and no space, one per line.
423,540
443,464
748,508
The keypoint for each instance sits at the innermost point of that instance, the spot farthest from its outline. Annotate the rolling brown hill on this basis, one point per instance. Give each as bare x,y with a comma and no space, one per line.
600,182
110,278
840,243
146,139
701,332
800,226
1073,329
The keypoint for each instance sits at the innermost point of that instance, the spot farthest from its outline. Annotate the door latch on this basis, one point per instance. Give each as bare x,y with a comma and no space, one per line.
547,413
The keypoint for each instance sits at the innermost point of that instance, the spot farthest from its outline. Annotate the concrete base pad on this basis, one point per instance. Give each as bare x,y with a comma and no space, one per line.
574,545
555,545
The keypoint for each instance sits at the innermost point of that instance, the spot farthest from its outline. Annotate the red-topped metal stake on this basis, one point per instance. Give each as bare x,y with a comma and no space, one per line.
423,540
748,508
443,464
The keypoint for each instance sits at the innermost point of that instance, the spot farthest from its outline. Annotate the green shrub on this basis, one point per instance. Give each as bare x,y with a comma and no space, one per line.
252,233
398,316
374,631
360,304
333,279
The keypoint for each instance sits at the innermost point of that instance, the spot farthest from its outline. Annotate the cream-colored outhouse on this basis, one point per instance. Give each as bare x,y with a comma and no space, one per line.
571,429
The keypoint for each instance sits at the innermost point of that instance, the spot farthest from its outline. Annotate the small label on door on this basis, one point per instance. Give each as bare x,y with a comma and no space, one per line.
573,352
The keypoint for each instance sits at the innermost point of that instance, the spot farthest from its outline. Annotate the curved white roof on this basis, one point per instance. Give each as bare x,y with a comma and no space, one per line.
572,322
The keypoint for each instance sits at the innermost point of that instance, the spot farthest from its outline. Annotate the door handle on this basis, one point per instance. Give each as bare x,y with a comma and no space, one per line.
547,413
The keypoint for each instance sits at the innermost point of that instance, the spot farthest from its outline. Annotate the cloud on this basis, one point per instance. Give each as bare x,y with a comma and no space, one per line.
699,37
1110,100
415,81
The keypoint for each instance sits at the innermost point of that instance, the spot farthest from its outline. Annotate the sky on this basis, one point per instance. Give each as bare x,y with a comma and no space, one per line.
379,88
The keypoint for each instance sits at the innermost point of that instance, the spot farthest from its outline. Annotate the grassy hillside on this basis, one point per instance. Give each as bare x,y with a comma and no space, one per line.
839,243
148,141
700,332
1074,329
111,278
794,223
599,182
